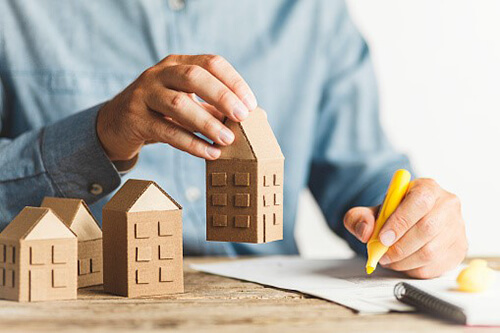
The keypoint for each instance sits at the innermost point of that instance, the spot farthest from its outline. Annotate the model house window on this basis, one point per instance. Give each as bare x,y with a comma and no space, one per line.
276,179
142,230
11,254
242,200
266,199
165,252
83,266
94,266
242,221
2,253
219,179
219,199
275,219
143,253
166,275
164,229
2,277
219,220
267,181
142,276
242,179
277,199
36,256
58,254
59,278
10,278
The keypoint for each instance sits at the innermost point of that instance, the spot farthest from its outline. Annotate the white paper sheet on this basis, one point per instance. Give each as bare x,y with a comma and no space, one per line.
341,281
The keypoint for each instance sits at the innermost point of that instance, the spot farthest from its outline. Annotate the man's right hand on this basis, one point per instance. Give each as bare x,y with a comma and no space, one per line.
161,106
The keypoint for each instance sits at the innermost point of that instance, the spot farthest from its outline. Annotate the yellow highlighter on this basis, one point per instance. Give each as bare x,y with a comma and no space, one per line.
395,194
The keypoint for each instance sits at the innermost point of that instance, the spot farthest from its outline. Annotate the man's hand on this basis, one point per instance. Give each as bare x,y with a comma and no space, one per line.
161,106
425,234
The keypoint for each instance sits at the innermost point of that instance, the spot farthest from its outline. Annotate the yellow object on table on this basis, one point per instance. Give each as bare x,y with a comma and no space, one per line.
395,193
476,277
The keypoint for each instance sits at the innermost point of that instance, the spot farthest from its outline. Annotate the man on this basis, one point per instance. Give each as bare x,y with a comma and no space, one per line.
302,61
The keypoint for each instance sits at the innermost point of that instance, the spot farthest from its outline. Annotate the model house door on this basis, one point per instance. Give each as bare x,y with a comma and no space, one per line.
39,284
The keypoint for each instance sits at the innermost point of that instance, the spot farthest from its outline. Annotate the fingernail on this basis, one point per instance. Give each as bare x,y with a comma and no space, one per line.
212,152
388,237
384,260
360,229
226,136
250,101
240,111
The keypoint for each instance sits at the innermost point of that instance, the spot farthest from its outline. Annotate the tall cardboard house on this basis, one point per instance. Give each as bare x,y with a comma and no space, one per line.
38,255
245,185
142,241
77,216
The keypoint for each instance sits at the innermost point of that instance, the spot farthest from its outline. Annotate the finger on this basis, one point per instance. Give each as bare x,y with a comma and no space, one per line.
451,258
226,73
420,234
432,251
419,200
195,79
360,222
184,110
213,111
162,130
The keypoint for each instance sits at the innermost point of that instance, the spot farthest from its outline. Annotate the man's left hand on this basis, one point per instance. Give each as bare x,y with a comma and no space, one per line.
425,234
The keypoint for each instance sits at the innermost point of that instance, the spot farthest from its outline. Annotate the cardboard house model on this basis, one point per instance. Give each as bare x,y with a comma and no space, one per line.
38,258
142,241
77,216
245,185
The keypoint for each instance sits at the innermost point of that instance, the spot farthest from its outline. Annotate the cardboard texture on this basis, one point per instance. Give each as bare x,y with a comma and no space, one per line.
38,255
76,215
245,185
142,241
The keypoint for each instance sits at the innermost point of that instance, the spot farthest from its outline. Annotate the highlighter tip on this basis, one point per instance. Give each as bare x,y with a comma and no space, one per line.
369,269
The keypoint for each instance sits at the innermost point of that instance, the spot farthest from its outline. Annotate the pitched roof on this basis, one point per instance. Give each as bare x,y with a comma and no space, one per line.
36,223
76,215
141,195
254,139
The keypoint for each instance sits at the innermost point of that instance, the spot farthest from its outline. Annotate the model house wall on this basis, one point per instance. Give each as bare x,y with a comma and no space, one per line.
142,241
38,255
77,216
245,185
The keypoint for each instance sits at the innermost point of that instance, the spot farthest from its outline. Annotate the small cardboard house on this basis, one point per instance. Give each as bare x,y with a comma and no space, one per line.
245,185
142,241
38,255
77,216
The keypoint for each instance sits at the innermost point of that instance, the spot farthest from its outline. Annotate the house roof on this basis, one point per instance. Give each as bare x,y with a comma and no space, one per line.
254,139
141,195
36,223
76,215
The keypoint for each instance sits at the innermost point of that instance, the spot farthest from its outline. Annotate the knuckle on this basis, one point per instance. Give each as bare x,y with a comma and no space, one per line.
429,226
194,146
210,125
401,223
396,252
191,73
224,96
427,253
455,200
423,199
213,61
430,182
178,101
170,131
422,273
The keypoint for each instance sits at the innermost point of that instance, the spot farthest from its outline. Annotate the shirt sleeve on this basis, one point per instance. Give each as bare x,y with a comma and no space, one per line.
353,160
64,159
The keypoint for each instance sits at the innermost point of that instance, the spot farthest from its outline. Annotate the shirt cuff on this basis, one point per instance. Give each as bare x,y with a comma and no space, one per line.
75,160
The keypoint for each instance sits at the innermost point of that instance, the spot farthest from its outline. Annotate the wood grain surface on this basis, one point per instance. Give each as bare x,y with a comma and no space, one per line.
210,304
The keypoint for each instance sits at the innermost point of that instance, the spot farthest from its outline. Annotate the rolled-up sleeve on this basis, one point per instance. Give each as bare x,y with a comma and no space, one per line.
353,160
63,159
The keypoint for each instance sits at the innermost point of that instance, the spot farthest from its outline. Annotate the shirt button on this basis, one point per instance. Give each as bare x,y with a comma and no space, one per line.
193,193
96,189
177,5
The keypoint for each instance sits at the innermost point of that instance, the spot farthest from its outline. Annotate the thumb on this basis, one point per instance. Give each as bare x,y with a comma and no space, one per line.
360,221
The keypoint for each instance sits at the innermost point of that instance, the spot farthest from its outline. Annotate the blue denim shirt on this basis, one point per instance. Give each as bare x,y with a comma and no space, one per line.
306,62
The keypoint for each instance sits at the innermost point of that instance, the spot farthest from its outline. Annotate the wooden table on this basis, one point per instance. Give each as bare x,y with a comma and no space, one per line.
210,304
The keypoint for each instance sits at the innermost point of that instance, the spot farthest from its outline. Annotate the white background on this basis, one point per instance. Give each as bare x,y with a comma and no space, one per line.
438,67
